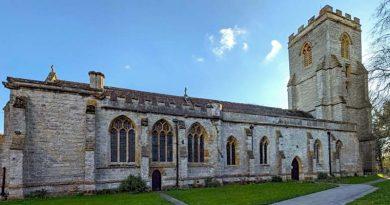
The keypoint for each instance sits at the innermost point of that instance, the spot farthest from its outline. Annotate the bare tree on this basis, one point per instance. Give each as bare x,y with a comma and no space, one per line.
379,63
381,130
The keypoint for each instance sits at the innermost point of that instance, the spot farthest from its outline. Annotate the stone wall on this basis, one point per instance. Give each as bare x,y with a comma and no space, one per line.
66,149
332,87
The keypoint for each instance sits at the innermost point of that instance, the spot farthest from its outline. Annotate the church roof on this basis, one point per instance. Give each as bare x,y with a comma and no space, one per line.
154,98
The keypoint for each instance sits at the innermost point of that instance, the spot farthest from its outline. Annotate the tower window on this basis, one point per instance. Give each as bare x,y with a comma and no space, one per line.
345,44
307,56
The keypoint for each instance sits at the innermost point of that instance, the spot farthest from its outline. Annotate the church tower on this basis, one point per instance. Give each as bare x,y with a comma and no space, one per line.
327,77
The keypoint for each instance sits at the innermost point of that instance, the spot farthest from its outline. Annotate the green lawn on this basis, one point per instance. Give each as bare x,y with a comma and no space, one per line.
381,196
264,193
353,180
112,199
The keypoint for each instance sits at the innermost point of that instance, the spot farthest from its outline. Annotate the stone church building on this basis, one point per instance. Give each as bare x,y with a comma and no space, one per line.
66,136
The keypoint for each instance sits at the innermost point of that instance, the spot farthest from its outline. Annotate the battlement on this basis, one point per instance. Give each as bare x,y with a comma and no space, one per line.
325,13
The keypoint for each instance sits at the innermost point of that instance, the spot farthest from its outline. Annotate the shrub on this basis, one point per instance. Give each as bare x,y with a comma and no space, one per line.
276,179
106,191
322,175
210,182
38,194
133,184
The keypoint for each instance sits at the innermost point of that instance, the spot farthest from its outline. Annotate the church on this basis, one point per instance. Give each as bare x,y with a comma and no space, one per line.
68,137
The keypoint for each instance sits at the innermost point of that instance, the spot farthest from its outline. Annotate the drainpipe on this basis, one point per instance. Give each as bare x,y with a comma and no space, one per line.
251,128
177,151
330,154
3,184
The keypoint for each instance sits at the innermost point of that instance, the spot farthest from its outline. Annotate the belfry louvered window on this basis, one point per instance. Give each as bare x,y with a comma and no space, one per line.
345,44
122,134
307,55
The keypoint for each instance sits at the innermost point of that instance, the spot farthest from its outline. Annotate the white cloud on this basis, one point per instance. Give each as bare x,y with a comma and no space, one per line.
198,59
227,41
127,67
245,46
276,47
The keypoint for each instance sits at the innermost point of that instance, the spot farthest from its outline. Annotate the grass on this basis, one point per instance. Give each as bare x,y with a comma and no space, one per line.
264,193
353,180
381,196
112,199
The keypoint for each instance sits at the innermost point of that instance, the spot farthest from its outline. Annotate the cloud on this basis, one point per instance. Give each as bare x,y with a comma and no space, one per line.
227,40
245,46
198,59
127,67
276,47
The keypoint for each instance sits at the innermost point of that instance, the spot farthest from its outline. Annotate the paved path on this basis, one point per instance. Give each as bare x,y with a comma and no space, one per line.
336,196
171,199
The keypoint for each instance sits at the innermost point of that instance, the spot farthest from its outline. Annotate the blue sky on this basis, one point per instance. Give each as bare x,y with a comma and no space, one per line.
218,49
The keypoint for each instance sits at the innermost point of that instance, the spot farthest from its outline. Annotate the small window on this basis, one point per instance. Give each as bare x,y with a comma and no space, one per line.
345,45
307,55
348,70
339,145
231,151
317,151
264,151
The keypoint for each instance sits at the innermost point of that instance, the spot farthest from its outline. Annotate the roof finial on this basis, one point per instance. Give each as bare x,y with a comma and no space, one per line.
185,92
52,77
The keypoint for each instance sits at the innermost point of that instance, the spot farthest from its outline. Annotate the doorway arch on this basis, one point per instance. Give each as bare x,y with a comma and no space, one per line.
156,180
295,164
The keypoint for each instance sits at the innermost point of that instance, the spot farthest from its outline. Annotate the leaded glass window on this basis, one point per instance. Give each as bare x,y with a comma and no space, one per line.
195,143
162,142
231,151
264,151
122,139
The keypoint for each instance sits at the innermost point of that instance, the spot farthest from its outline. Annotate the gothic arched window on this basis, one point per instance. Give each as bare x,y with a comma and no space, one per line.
339,145
231,150
317,150
162,142
196,137
307,56
264,150
345,44
122,136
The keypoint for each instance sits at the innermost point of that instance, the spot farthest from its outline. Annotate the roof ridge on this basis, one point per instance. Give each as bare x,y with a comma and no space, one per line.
228,106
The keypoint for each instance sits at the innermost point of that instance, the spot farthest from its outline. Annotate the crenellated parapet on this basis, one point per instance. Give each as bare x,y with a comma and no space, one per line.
326,13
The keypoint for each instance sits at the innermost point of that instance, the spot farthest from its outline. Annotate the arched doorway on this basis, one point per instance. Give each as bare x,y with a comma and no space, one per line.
156,180
295,169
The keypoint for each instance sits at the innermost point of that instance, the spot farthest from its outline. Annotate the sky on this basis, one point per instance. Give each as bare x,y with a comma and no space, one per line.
220,49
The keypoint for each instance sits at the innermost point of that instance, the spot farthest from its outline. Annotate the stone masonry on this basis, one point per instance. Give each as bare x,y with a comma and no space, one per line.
58,134
332,87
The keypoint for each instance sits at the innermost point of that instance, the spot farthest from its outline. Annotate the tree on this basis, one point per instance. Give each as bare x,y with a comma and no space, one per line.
379,62
381,130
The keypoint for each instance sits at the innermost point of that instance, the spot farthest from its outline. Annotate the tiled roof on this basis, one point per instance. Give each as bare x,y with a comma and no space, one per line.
155,98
